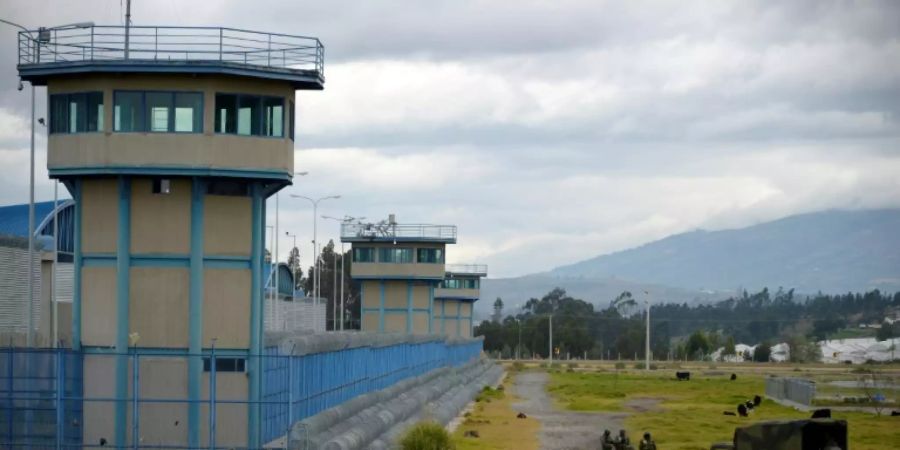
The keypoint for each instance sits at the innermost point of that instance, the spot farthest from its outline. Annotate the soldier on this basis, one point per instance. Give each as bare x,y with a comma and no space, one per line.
647,443
622,442
607,441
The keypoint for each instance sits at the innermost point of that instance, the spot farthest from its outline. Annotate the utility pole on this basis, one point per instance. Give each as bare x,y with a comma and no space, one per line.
551,340
53,289
647,343
30,338
519,347
342,286
334,291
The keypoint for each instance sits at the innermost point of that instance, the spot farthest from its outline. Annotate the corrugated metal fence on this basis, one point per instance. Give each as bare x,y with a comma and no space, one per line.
796,390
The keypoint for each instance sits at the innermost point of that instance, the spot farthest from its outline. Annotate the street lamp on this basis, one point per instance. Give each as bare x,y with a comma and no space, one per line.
30,338
275,250
647,343
346,219
315,203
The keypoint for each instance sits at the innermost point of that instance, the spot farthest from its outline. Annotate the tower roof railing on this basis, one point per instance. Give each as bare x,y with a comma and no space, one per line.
466,269
166,45
364,232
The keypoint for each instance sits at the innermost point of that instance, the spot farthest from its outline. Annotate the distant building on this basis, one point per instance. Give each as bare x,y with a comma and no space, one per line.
398,267
454,300
14,273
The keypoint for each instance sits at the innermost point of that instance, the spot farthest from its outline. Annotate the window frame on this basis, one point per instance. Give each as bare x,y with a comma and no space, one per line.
65,96
385,250
290,113
145,116
439,253
260,115
354,259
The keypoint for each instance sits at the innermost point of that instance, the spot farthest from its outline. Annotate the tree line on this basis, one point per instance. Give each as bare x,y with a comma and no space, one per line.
679,330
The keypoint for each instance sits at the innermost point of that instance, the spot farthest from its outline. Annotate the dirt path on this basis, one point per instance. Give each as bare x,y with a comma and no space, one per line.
561,430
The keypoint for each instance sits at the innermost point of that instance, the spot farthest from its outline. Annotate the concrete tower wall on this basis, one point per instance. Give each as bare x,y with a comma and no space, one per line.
166,150
169,271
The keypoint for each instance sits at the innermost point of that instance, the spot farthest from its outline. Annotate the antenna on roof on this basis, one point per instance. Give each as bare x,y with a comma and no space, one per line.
127,25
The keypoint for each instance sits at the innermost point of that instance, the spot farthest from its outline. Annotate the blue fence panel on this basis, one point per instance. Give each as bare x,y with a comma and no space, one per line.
40,397
297,387
42,400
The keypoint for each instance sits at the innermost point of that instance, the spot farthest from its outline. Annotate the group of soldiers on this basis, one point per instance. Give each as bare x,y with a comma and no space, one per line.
622,442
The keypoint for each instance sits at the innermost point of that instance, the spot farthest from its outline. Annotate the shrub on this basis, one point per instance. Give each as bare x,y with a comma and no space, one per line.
620,365
426,436
518,366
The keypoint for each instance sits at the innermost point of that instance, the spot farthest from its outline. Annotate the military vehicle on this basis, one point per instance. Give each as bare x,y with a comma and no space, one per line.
808,434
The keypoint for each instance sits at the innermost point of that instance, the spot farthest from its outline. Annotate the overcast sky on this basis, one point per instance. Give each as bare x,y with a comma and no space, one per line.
551,132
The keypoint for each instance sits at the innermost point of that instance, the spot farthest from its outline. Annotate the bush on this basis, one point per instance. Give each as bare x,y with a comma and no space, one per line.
426,436
518,366
488,393
620,365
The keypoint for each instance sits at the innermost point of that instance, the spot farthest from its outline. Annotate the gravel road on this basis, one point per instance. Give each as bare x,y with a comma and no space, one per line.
561,430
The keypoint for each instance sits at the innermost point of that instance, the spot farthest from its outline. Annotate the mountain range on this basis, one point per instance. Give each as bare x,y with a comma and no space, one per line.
833,251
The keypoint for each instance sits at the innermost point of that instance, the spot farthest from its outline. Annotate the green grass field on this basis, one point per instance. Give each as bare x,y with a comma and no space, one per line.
689,415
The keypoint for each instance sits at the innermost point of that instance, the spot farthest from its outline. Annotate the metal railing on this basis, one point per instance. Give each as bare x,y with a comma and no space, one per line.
472,269
387,231
172,44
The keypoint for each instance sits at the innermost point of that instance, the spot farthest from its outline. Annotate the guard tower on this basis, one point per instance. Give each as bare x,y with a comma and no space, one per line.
170,140
454,300
398,267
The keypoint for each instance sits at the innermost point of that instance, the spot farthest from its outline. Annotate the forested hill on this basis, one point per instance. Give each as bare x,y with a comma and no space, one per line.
830,251
581,329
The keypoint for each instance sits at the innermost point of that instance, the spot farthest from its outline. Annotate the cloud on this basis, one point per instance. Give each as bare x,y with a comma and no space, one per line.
554,131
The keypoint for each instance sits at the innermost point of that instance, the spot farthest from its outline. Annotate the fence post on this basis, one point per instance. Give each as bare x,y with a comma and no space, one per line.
9,399
135,393
60,384
212,396
290,360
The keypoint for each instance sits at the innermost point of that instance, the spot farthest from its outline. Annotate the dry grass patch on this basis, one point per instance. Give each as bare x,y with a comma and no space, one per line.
494,419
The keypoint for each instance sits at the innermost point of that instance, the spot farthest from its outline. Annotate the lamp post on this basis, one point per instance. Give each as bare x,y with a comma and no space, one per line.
519,345
315,203
647,339
345,220
551,341
293,265
37,46
276,255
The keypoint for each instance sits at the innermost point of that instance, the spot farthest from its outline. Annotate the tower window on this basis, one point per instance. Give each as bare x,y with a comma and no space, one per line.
250,115
363,254
76,113
430,255
226,364
228,187
291,119
162,186
400,255
158,111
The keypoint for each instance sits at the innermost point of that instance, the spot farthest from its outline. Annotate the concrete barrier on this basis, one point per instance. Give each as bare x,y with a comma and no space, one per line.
377,419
